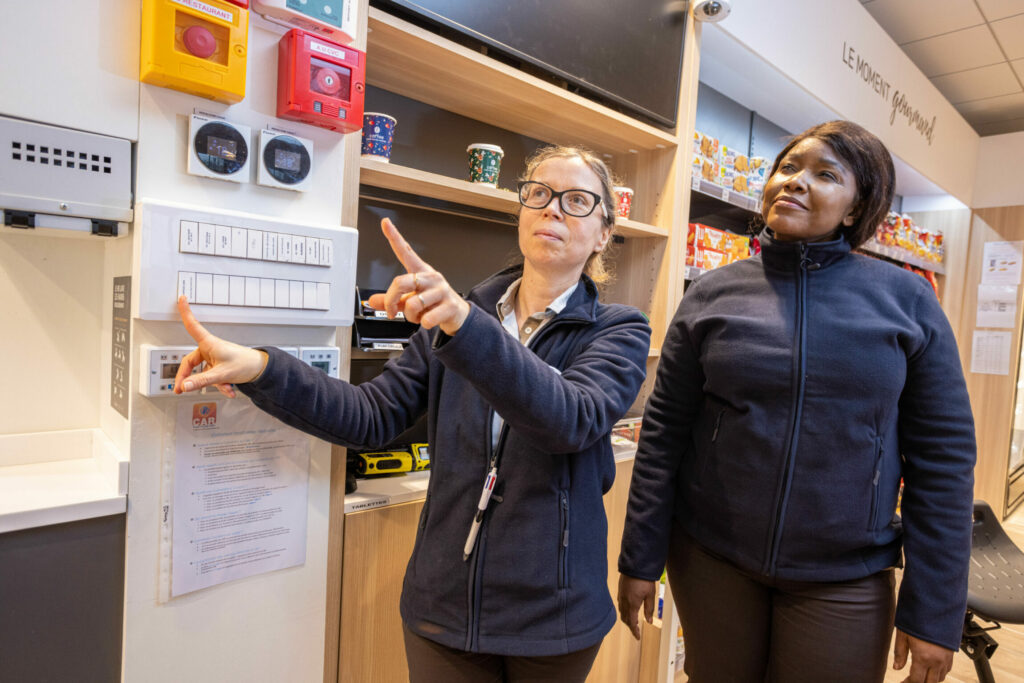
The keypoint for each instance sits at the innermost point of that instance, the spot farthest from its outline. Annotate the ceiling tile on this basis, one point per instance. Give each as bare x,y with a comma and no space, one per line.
956,51
988,81
907,20
1018,66
1000,127
1000,9
993,108
1010,33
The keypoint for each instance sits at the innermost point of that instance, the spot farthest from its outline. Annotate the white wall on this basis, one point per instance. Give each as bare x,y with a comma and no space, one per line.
809,41
72,64
268,627
999,181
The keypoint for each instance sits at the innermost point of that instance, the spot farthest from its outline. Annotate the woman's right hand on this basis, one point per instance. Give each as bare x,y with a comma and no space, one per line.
632,594
226,363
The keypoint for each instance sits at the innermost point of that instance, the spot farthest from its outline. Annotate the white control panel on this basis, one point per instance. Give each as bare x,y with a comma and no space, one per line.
160,364
159,368
326,358
241,268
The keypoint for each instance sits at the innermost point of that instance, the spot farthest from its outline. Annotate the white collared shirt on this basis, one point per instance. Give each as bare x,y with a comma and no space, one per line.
507,315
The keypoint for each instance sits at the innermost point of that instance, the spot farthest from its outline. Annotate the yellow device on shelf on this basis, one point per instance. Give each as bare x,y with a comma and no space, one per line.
420,456
196,46
383,462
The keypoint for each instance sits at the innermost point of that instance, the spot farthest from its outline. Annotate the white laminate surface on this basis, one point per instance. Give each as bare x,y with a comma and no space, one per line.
61,476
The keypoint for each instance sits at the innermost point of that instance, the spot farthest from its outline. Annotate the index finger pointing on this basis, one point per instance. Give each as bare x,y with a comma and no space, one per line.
192,326
409,258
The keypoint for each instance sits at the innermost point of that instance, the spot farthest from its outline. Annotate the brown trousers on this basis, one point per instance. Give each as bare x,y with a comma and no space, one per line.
740,627
431,662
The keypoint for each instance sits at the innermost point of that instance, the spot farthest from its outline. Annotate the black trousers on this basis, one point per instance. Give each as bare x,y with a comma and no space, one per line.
740,627
431,662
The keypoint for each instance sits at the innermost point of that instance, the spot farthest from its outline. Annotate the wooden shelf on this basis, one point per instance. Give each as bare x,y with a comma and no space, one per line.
416,63
425,184
902,255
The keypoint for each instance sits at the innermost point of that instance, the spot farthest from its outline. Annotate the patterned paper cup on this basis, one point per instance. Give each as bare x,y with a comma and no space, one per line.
484,163
378,134
623,200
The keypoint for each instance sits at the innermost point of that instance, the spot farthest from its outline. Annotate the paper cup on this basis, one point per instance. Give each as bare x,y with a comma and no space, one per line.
623,201
378,134
484,163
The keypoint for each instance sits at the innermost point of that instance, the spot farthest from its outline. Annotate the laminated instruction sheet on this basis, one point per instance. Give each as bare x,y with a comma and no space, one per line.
240,486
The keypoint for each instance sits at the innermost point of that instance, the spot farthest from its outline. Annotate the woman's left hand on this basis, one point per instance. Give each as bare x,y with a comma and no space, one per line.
929,663
422,294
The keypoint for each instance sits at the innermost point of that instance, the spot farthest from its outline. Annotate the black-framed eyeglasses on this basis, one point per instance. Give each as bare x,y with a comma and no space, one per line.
574,202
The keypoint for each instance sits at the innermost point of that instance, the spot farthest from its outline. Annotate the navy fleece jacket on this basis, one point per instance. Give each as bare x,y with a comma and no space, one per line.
795,389
537,580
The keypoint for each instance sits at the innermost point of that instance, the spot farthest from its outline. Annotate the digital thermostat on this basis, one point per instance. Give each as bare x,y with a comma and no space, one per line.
159,368
285,161
333,19
326,358
218,149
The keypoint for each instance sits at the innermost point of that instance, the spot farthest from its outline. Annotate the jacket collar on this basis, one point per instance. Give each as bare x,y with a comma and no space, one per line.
787,255
582,305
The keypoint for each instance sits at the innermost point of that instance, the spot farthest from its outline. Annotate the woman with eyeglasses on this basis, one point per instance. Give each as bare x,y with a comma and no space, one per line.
522,381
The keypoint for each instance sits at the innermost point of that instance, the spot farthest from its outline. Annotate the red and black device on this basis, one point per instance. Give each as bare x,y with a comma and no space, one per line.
319,82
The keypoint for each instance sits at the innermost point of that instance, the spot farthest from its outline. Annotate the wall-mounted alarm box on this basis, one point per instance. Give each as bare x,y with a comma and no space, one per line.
285,161
320,82
196,46
332,19
218,149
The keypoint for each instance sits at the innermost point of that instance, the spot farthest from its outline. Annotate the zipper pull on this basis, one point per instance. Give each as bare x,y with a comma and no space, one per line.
805,261
718,423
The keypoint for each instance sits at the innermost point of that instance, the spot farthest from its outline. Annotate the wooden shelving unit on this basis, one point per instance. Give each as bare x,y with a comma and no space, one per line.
412,62
416,63
414,181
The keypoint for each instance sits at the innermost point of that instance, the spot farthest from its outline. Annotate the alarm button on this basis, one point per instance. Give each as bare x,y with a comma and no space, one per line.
199,41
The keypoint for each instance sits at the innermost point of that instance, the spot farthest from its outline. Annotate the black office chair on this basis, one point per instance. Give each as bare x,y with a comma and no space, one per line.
995,591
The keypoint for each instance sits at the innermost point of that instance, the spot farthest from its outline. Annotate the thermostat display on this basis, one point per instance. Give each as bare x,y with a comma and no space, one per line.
285,161
218,149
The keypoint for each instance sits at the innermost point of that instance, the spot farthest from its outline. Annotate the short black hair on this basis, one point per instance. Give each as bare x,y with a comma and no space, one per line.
872,168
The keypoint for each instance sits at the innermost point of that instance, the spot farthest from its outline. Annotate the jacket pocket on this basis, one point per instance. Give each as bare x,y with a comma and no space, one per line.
876,477
563,539
423,512
705,457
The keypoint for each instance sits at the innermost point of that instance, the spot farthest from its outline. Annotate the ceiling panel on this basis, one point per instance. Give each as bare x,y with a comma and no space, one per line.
1000,9
907,20
993,109
1010,33
956,51
1000,127
975,84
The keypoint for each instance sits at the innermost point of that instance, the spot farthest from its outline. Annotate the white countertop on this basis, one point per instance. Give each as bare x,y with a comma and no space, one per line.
377,492
61,476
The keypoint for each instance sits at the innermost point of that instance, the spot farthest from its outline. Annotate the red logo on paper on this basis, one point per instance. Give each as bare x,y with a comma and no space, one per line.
204,415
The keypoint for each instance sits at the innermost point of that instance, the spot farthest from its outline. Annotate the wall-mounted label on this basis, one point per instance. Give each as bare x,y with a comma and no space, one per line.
120,344
900,105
